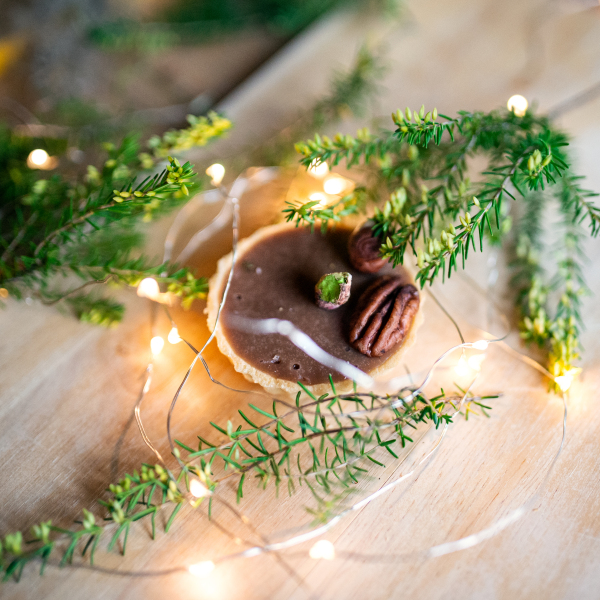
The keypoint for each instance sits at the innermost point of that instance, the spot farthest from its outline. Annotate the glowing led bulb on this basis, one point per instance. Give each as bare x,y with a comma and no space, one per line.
564,382
216,172
173,336
322,549
474,362
157,344
202,569
319,197
480,345
148,288
334,185
318,169
518,104
462,368
198,489
38,157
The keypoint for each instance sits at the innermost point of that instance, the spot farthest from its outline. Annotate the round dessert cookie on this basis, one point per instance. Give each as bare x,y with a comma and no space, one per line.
275,275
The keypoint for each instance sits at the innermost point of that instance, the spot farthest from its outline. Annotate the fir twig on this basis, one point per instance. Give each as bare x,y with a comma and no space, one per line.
436,212
334,443
86,227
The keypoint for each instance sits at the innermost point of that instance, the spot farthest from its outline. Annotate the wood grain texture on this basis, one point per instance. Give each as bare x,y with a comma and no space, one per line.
67,389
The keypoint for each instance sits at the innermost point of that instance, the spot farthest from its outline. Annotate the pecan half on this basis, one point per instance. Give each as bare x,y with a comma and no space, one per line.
383,316
363,248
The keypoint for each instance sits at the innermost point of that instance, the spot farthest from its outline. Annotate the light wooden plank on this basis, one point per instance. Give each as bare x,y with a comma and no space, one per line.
67,389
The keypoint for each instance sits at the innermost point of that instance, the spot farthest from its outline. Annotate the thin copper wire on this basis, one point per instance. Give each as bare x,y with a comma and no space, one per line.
439,550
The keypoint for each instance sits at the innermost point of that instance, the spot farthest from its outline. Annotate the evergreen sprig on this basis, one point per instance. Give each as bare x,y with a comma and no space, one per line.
312,213
136,496
83,227
349,95
536,287
200,132
324,443
434,209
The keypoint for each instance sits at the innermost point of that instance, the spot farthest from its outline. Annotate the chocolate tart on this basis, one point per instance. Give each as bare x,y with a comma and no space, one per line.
276,271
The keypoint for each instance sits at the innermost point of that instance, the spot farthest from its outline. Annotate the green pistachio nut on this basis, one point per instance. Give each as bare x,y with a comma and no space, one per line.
333,290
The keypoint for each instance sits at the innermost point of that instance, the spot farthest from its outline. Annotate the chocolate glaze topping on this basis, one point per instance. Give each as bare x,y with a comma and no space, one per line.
276,278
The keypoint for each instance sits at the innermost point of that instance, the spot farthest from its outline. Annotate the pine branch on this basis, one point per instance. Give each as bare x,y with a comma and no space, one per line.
129,501
310,213
575,201
333,440
200,132
557,329
129,201
349,95
434,210
98,311
87,227
346,148
460,238
350,436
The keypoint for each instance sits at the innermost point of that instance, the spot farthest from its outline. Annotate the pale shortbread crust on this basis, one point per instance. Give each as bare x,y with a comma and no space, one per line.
216,285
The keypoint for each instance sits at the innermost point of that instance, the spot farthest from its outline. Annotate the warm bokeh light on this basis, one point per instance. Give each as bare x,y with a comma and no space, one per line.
39,159
157,344
334,185
202,569
318,169
173,336
480,345
198,489
319,197
148,288
322,549
565,380
518,104
475,361
462,368
216,173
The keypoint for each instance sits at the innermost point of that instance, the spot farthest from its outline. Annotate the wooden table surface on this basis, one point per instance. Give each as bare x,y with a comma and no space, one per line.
67,389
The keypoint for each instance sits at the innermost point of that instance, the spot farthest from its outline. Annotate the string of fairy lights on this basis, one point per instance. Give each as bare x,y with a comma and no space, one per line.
324,549
321,549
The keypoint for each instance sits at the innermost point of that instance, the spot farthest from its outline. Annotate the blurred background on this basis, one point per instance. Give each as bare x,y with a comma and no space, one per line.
82,71
77,73
86,70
